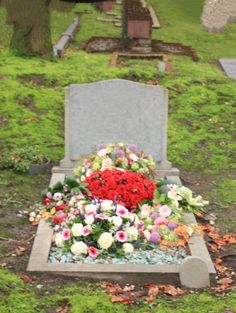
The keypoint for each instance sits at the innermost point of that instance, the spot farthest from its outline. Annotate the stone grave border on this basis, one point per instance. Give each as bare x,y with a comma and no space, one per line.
196,271
65,38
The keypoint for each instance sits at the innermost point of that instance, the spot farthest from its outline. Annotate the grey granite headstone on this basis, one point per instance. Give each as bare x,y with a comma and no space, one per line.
229,66
116,111
193,273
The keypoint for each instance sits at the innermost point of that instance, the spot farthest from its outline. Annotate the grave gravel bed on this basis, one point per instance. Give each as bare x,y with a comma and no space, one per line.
174,256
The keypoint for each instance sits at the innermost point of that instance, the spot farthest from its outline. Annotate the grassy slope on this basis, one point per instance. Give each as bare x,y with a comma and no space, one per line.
201,124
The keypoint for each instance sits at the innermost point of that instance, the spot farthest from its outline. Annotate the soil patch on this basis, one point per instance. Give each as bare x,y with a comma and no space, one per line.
39,80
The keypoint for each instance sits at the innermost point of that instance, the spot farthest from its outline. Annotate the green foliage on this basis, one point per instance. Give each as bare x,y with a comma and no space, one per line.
20,159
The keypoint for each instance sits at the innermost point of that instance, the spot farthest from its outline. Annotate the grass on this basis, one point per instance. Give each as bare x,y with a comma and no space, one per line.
17,296
201,136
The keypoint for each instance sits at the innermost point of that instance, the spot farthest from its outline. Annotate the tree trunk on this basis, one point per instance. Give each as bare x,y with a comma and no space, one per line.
31,26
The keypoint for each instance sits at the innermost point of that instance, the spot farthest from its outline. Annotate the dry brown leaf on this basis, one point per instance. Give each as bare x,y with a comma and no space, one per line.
20,250
26,279
62,309
121,300
225,281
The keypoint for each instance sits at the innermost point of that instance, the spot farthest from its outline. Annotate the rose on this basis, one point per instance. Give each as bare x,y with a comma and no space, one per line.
79,248
105,240
128,247
77,229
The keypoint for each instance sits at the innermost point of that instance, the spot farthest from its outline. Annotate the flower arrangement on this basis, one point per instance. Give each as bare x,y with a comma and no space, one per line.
116,212
127,187
110,156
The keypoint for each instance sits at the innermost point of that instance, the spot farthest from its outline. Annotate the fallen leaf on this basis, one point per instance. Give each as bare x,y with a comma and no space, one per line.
171,290
3,264
121,300
26,279
62,309
20,250
225,281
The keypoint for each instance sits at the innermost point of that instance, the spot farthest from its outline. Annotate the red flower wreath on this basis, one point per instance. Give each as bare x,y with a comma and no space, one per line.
127,187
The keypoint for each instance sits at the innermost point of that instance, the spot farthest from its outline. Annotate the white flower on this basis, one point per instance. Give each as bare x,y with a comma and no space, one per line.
198,201
82,177
105,240
132,233
91,208
106,164
77,229
117,221
57,196
165,211
58,240
128,247
89,219
173,193
79,248
88,173
133,157
106,205
185,192
145,210
147,234
102,152
190,230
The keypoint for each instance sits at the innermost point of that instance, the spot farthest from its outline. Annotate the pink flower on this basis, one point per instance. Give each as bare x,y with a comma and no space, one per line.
165,211
160,221
85,231
65,234
122,211
121,236
93,252
101,216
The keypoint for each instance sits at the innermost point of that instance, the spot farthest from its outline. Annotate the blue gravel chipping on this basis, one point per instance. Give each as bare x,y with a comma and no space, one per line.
156,256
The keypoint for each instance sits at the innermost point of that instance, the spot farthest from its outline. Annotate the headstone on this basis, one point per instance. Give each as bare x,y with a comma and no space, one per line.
194,273
229,66
217,14
116,111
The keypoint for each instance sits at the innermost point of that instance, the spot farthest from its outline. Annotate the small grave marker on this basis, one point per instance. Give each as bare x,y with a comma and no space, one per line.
229,66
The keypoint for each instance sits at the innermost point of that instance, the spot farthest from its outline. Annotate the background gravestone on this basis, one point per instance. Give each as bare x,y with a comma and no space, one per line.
116,111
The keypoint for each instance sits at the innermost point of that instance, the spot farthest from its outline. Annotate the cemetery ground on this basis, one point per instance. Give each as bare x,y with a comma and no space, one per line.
201,144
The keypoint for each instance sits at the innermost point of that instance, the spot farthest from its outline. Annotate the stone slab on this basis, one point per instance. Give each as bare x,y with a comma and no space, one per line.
65,38
229,67
116,111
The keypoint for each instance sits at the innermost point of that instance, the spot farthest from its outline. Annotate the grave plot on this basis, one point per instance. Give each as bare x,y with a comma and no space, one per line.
127,112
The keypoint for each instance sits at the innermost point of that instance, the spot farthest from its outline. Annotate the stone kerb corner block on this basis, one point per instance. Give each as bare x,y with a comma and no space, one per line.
116,111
